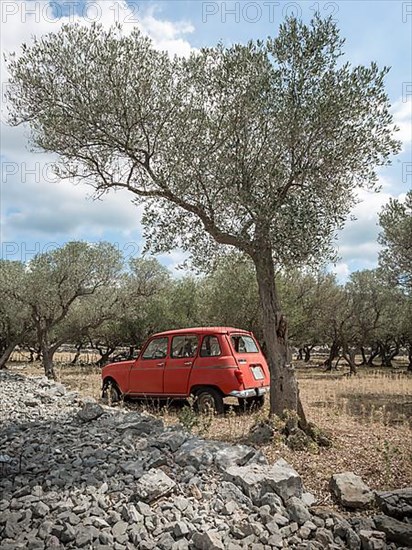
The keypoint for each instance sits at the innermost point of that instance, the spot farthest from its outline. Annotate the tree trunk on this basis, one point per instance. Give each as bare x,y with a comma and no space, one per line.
374,353
409,369
47,363
77,354
104,356
6,354
363,353
349,356
307,349
387,355
300,354
284,393
47,353
333,353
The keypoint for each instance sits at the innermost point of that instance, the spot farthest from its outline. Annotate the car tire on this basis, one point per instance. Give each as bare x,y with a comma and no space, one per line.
209,400
111,392
251,403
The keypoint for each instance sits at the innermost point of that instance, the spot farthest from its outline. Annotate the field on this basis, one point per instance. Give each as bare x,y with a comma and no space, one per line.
368,416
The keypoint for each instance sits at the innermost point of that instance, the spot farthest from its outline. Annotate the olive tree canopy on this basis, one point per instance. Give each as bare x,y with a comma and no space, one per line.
396,237
258,146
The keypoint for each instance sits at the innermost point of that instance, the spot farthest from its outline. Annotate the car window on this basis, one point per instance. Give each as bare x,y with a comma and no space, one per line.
210,347
184,346
244,344
157,349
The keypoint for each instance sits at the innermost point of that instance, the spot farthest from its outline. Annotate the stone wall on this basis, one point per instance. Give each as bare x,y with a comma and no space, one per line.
74,474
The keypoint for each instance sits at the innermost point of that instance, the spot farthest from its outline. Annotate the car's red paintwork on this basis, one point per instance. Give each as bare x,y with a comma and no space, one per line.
183,376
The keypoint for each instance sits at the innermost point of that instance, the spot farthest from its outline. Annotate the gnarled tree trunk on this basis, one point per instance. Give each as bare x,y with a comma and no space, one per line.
6,354
47,362
333,354
349,355
284,392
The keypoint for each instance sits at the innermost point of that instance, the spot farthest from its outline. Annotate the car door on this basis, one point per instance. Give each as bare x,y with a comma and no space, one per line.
147,373
183,350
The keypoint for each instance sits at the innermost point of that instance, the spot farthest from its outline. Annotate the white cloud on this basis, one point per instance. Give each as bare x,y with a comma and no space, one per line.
342,271
173,260
358,240
167,35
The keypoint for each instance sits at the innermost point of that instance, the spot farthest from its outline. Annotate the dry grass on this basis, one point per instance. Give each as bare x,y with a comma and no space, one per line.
368,416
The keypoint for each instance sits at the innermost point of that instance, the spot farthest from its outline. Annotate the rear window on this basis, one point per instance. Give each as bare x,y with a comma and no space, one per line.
184,346
210,347
243,344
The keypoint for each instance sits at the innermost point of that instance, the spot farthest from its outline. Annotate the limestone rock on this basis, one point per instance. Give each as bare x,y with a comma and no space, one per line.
90,411
298,511
208,541
256,480
351,491
395,530
372,540
397,504
154,484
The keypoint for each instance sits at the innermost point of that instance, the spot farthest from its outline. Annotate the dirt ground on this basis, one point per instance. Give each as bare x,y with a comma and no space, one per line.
368,417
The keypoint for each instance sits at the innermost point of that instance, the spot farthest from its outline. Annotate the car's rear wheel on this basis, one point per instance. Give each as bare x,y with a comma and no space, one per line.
111,392
251,403
209,400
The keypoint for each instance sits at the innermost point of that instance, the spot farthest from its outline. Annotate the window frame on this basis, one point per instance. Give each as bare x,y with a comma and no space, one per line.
141,356
242,336
218,341
185,336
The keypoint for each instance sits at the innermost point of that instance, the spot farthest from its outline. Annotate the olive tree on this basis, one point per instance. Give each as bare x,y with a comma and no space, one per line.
259,147
15,317
229,295
396,261
396,238
56,280
131,320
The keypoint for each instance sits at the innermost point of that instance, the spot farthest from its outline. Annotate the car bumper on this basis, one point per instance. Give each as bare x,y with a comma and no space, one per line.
252,392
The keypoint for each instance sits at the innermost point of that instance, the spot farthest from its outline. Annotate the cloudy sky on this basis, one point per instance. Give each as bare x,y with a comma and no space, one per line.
39,212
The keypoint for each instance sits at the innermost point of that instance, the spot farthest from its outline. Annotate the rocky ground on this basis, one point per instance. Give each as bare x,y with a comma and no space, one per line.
74,474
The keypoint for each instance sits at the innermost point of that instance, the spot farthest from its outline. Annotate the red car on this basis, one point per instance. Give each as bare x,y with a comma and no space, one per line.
209,363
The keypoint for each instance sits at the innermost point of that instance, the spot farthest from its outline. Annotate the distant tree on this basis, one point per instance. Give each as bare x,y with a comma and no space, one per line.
134,316
396,238
406,327
396,263
15,317
229,295
259,147
92,314
367,300
307,299
56,280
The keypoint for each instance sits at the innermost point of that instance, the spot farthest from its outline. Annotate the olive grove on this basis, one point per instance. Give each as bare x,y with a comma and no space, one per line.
257,147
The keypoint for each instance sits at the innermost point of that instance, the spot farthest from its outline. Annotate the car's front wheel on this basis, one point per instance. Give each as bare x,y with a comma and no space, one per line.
209,400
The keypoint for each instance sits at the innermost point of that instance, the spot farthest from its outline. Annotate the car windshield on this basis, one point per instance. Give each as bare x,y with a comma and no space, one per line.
243,343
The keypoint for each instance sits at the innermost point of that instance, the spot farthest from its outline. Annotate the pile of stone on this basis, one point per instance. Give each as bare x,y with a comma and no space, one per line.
74,474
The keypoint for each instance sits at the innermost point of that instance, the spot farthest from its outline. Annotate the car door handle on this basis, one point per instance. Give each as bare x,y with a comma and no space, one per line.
160,364
188,363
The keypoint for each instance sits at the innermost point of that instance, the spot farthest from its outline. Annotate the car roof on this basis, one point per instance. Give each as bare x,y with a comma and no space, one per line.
202,330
